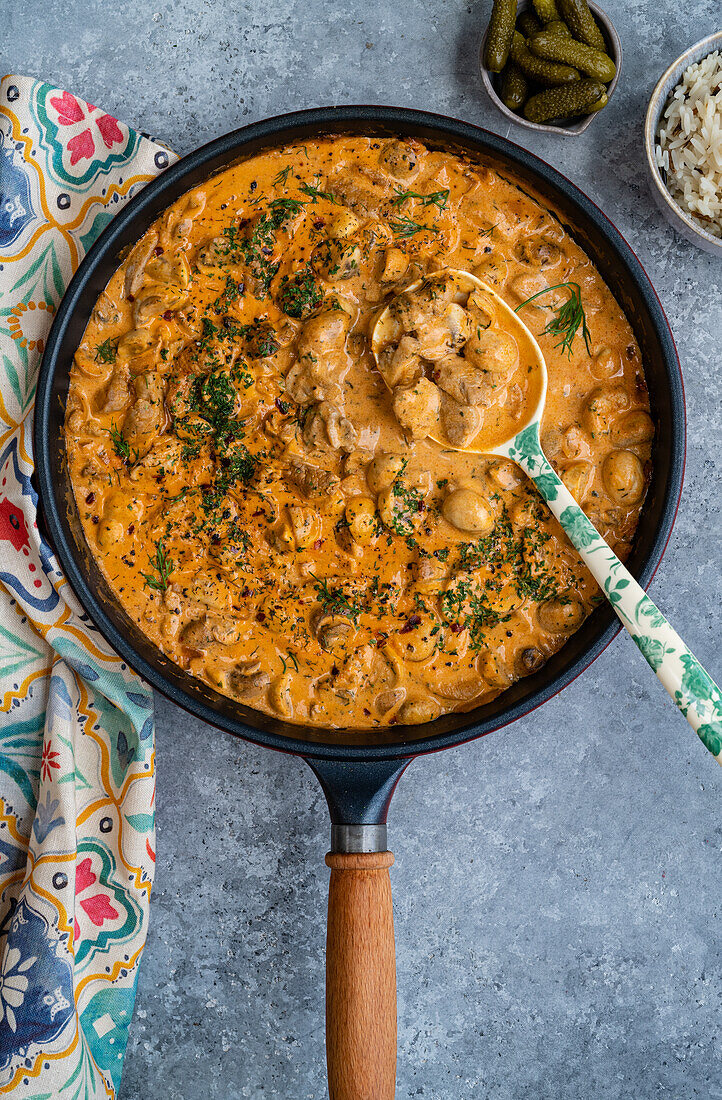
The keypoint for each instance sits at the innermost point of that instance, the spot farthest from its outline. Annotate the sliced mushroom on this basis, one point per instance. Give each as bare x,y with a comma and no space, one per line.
247,679
415,711
334,632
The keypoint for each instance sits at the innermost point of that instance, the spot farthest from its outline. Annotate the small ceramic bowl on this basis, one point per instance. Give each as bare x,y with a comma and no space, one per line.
681,221
573,127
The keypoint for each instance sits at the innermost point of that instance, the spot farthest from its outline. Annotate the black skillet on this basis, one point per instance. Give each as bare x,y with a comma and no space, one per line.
359,769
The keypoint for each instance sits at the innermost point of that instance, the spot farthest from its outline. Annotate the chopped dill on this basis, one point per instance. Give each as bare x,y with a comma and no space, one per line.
163,566
334,601
121,446
315,193
107,351
291,206
281,178
404,228
435,198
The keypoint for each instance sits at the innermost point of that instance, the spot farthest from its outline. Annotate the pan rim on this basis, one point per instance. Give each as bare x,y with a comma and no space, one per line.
278,128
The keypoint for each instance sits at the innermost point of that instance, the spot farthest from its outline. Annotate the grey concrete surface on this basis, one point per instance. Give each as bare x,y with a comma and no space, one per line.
557,886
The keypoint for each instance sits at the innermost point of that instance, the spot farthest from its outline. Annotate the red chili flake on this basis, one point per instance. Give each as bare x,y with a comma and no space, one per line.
455,628
411,622
131,529
380,637
158,251
246,591
367,712
216,539
95,519
421,506
130,298
334,671
318,544
258,512
90,499
260,616
168,315
282,406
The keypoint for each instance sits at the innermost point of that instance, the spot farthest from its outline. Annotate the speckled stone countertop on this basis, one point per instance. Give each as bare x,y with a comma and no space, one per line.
557,896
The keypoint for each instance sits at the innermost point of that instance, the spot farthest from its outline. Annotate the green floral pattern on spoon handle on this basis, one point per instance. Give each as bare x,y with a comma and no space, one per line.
689,685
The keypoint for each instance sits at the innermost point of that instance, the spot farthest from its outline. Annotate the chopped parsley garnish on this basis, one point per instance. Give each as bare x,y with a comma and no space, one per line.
121,446
334,601
405,227
406,502
231,292
190,450
107,351
300,295
569,317
163,566
256,244
260,337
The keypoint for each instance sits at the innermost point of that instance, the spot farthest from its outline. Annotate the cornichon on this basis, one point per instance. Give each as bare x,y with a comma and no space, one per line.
546,10
554,47
557,27
535,68
582,23
566,102
514,87
498,39
528,24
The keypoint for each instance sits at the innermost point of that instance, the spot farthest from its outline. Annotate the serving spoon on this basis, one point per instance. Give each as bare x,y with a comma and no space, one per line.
690,687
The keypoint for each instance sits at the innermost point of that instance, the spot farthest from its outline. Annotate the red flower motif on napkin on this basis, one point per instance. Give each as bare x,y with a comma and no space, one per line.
73,112
68,108
48,761
84,876
13,528
99,909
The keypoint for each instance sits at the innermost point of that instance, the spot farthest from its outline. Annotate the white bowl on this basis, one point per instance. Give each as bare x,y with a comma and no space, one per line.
574,127
669,80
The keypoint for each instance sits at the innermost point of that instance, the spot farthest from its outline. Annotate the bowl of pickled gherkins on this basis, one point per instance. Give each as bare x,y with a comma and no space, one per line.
550,64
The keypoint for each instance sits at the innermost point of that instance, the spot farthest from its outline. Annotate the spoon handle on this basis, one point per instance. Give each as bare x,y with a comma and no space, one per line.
688,684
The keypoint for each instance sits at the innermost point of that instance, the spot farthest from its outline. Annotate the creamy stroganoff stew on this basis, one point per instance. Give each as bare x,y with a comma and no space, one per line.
271,510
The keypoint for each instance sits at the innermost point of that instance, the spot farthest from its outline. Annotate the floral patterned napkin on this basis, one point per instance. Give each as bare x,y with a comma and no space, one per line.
77,829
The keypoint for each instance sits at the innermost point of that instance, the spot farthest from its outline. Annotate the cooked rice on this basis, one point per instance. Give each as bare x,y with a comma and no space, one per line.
689,146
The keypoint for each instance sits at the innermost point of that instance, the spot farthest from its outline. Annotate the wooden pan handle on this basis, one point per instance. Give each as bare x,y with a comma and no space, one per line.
360,978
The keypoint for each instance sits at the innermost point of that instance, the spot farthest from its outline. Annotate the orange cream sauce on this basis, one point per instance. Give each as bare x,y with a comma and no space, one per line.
272,511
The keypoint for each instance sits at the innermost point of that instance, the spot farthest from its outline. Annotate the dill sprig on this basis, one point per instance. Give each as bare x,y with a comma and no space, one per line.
163,566
435,198
281,178
569,317
404,228
315,193
107,351
291,206
334,601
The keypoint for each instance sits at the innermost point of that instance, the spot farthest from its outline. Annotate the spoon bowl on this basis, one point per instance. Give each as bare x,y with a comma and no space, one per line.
691,688
493,435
